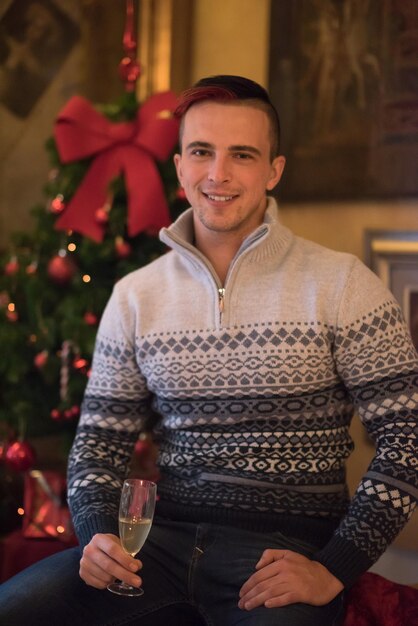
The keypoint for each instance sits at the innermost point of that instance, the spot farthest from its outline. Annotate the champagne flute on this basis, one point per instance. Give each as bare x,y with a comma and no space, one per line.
136,510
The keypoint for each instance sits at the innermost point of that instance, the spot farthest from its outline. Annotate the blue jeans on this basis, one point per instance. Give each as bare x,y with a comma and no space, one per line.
192,574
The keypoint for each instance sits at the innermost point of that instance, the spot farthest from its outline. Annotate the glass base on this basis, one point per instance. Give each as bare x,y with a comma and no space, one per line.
125,590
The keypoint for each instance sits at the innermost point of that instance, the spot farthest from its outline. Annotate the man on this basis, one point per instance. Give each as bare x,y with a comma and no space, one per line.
248,348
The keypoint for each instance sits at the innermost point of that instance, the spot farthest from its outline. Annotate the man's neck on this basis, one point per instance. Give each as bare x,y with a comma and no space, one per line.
220,249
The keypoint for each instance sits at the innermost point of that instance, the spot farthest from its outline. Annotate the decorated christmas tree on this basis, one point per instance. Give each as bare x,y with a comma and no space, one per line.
111,187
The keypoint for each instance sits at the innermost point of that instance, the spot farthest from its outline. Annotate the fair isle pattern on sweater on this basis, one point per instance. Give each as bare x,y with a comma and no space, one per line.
255,415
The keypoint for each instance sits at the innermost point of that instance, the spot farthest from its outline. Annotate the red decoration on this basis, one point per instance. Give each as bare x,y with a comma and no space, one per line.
75,411
129,71
32,268
128,148
56,415
4,299
61,269
12,316
41,359
20,456
101,216
90,318
46,513
123,248
12,267
57,204
71,413
80,364
129,68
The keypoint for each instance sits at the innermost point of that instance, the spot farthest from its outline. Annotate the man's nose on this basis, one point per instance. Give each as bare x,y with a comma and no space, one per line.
219,170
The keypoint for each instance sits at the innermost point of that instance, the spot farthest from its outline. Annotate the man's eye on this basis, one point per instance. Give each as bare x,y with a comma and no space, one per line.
243,155
199,152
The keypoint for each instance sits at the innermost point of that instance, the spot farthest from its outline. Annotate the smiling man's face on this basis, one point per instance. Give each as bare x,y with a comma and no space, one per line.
225,167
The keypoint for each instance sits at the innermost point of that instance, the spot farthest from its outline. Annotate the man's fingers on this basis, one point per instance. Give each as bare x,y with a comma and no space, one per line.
264,594
110,546
106,570
104,560
266,572
269,556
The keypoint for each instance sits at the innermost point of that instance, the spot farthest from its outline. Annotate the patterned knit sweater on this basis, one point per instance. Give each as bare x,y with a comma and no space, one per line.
251,389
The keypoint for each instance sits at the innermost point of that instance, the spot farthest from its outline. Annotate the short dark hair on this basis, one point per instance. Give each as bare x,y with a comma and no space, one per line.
229,88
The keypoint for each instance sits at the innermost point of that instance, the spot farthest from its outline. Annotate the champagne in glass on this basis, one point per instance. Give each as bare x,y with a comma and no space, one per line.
136,511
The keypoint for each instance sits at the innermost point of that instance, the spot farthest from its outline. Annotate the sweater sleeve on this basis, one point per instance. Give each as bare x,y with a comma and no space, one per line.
115,405
378,363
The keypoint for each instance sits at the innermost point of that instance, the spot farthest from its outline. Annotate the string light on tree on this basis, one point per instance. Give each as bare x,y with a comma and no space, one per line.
97,224
11,312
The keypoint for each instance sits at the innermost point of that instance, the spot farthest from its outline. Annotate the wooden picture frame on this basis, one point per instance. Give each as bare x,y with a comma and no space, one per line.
343,76
35,40
393,255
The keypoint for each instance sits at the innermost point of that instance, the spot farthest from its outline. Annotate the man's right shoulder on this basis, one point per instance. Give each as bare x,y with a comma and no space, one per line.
149,272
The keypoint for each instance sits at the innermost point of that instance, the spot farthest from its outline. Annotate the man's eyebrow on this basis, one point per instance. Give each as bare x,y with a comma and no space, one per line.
199,144
234,148
244,148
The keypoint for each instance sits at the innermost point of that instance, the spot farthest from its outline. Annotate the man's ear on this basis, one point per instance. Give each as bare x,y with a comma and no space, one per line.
277,168
177,164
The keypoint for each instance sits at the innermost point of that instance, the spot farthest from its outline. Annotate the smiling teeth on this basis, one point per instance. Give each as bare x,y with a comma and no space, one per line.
220,198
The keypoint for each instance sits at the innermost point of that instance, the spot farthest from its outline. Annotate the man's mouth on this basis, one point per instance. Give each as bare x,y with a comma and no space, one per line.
217,198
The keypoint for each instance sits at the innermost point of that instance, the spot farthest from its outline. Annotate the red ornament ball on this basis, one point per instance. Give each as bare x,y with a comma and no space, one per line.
56,415
129,70
90,318
12,267
12,316
80,364
57,205
123,248
75,411
20,456
40,359
101,216
61,270
71,413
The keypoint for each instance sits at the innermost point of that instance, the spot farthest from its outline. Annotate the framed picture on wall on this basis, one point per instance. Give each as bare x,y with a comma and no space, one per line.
393,255
344,77
35,39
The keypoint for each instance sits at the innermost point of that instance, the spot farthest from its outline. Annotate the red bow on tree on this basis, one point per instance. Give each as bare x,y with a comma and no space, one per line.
118,147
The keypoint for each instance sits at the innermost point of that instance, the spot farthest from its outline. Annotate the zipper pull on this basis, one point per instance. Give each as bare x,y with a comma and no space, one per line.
221,293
